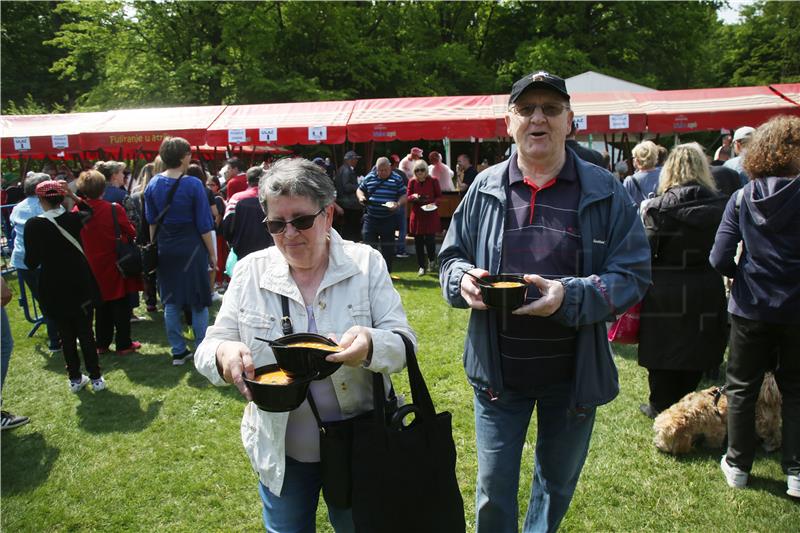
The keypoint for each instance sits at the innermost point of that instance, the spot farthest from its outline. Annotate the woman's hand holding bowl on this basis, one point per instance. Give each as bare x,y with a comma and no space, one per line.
357,344
235,362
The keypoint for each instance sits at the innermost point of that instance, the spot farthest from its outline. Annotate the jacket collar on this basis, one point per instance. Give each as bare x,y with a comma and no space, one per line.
593,186
276,277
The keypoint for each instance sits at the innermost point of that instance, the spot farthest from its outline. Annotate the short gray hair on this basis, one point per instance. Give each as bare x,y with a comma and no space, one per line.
296,177
382,161
254,175
30,183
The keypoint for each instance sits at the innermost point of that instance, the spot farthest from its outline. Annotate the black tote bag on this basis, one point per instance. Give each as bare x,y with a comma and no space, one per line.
404,475
129,256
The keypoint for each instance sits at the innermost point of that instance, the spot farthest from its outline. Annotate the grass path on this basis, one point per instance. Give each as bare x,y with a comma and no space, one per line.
160,450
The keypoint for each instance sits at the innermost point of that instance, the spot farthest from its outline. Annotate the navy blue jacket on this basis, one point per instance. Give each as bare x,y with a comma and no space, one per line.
766,282
615,275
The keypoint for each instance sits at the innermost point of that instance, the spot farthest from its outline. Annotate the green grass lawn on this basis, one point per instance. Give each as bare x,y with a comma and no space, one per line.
160,450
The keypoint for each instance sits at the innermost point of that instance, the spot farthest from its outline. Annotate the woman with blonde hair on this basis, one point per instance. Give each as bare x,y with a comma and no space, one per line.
148,172
641,184
683,326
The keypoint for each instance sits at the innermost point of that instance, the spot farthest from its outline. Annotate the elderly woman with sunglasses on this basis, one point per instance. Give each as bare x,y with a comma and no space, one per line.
333,287
424,193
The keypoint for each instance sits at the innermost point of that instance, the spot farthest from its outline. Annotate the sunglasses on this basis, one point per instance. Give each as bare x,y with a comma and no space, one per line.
419,170
549,109
300,223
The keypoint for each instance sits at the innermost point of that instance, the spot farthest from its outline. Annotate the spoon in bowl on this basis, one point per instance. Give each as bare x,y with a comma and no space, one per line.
480,280
271,343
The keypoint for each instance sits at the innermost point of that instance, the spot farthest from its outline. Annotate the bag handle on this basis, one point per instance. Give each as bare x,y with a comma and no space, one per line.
116,224
420,396
163,212
67,236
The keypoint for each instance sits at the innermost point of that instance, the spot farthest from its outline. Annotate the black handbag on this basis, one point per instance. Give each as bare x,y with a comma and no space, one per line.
129,257
404,472
335,440
150,250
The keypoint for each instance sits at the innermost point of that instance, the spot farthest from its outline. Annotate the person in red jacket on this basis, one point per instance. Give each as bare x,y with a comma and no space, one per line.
98,238
236,178
424,193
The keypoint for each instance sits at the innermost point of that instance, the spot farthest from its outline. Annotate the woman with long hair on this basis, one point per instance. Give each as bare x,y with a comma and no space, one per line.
683,326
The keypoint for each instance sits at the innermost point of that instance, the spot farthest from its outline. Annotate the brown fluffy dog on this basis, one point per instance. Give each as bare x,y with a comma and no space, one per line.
703,417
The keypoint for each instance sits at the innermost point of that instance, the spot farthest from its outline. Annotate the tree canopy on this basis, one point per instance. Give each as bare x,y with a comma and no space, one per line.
101,55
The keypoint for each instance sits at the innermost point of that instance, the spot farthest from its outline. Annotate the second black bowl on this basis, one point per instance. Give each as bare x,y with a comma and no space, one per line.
504,297
299,361
278,398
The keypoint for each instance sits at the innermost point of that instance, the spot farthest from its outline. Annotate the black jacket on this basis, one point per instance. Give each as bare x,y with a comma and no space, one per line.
66,283
346,183
683,322
244,228
587,154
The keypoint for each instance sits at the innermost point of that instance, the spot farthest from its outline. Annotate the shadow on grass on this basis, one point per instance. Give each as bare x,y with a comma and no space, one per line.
626,351
148,370
770,485
111,412
27,461
198,381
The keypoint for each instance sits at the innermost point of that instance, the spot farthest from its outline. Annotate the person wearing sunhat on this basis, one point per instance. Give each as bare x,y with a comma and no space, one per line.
68,291
551,355
346,182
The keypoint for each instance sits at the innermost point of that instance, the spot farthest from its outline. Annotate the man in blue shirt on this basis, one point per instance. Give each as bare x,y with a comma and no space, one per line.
384,193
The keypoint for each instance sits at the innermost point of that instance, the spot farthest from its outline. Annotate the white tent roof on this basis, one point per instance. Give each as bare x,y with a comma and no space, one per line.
594,82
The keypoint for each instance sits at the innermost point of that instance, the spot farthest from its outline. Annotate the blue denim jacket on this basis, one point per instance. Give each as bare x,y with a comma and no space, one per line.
615,275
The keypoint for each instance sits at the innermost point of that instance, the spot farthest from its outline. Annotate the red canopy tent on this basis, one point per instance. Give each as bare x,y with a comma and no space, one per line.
710,109
287,124
430,118
39,136
124,132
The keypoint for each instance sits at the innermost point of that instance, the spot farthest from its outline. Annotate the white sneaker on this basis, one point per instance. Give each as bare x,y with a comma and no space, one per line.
735,477
216,297
178,360
76,386
421,272
99,384
793,486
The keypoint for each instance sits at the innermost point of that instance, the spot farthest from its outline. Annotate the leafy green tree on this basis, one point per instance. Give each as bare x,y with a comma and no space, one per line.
27,83
764,48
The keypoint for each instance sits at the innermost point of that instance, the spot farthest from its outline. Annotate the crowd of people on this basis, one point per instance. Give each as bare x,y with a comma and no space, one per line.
589,244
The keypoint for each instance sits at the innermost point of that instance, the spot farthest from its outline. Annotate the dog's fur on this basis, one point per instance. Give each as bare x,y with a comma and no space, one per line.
703,417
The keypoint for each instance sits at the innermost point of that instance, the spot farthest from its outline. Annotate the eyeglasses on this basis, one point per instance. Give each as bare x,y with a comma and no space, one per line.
549,109
300,223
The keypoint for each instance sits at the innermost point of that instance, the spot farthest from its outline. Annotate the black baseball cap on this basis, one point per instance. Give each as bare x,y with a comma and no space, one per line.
538,80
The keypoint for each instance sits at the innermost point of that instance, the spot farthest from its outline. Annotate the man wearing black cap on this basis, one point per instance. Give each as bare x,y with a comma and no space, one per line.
569,227
346,182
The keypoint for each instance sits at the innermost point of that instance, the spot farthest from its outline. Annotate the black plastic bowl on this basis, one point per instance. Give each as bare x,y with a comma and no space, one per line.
302,362
278,398
508,298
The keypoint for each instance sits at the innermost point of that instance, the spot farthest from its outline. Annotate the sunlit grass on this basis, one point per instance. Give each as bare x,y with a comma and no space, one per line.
160,450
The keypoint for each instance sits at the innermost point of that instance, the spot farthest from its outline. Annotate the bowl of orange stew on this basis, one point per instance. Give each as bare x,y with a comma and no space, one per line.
303,354
504,291
275,391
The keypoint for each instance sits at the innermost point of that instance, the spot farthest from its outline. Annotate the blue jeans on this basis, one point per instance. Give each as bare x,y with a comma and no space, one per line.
562,442
402,223
295,510
379,233
6,345
172,321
